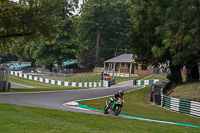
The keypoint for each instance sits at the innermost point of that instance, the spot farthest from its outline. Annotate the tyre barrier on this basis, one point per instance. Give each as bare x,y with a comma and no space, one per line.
179,105
157,96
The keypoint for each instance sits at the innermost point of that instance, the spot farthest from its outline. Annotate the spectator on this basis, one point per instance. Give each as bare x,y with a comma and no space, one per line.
108,78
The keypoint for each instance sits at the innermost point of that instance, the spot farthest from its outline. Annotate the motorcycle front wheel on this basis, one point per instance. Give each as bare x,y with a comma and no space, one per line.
105,110
117,110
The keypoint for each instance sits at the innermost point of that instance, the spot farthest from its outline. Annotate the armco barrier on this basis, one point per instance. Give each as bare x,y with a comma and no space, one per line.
179,105
102,83
145,82
175,104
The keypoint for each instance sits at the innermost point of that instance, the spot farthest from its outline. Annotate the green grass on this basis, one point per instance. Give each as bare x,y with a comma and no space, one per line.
95,78
19,119
135,105
189,91
122,79
84,78
154,76
38,86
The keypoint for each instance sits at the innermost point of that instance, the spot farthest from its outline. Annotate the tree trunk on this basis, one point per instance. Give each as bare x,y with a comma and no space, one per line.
59,65
97,47
51,67
194,75
175,76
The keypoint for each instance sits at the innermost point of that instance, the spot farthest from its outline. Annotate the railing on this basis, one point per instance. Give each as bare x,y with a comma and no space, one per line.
160,71
183,106
58,82
158,97
145,82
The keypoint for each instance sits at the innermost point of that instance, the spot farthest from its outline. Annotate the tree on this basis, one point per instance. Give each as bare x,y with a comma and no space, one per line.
87,57
166,31
144,42
47,52
144,22
28,18
7,57
105,23
181,34
62,45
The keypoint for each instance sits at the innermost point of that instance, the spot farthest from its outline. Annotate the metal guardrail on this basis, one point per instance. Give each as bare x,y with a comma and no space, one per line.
179,105
102,83
158,97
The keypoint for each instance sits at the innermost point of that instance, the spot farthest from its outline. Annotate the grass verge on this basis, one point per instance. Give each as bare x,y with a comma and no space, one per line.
136,105
19,119
154,76
95,78
38,86
189,91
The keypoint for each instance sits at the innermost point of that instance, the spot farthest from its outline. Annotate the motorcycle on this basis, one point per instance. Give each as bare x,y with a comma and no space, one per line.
114,107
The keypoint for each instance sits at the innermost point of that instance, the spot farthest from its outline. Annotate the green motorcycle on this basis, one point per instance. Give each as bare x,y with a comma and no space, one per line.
114,106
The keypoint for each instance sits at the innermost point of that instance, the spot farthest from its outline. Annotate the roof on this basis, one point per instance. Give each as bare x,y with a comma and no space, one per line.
124,58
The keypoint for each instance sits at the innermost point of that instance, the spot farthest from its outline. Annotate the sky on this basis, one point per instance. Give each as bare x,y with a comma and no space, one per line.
76,11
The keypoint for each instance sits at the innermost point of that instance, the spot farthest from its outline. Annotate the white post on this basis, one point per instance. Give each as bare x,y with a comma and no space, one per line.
130,69
113,74
125,71
119,69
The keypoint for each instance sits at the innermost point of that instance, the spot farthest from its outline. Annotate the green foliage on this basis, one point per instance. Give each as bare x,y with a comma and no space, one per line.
144,43
28,18
110,19
182,22
6,57
87,57
61,46
166,31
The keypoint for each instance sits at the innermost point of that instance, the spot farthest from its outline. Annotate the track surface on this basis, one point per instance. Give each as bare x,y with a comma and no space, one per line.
56,99
14,85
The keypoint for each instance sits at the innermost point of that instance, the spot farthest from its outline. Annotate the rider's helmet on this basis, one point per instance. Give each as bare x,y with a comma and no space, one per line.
121,93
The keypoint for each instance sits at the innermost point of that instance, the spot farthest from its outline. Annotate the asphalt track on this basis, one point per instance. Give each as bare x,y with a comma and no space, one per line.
56,99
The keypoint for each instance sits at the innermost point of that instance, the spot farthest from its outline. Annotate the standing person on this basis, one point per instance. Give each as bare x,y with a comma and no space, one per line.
108,78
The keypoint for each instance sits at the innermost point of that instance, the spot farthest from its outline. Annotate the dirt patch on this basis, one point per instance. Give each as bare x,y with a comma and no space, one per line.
148,97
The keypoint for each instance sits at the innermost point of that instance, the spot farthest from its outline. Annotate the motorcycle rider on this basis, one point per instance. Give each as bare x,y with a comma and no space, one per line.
116,96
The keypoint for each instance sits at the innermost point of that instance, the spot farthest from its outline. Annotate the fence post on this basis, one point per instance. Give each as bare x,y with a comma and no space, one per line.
7,78
2,81
113,74
134,82
102,74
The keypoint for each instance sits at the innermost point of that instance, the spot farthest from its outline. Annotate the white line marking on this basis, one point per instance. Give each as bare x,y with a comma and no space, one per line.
22,85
